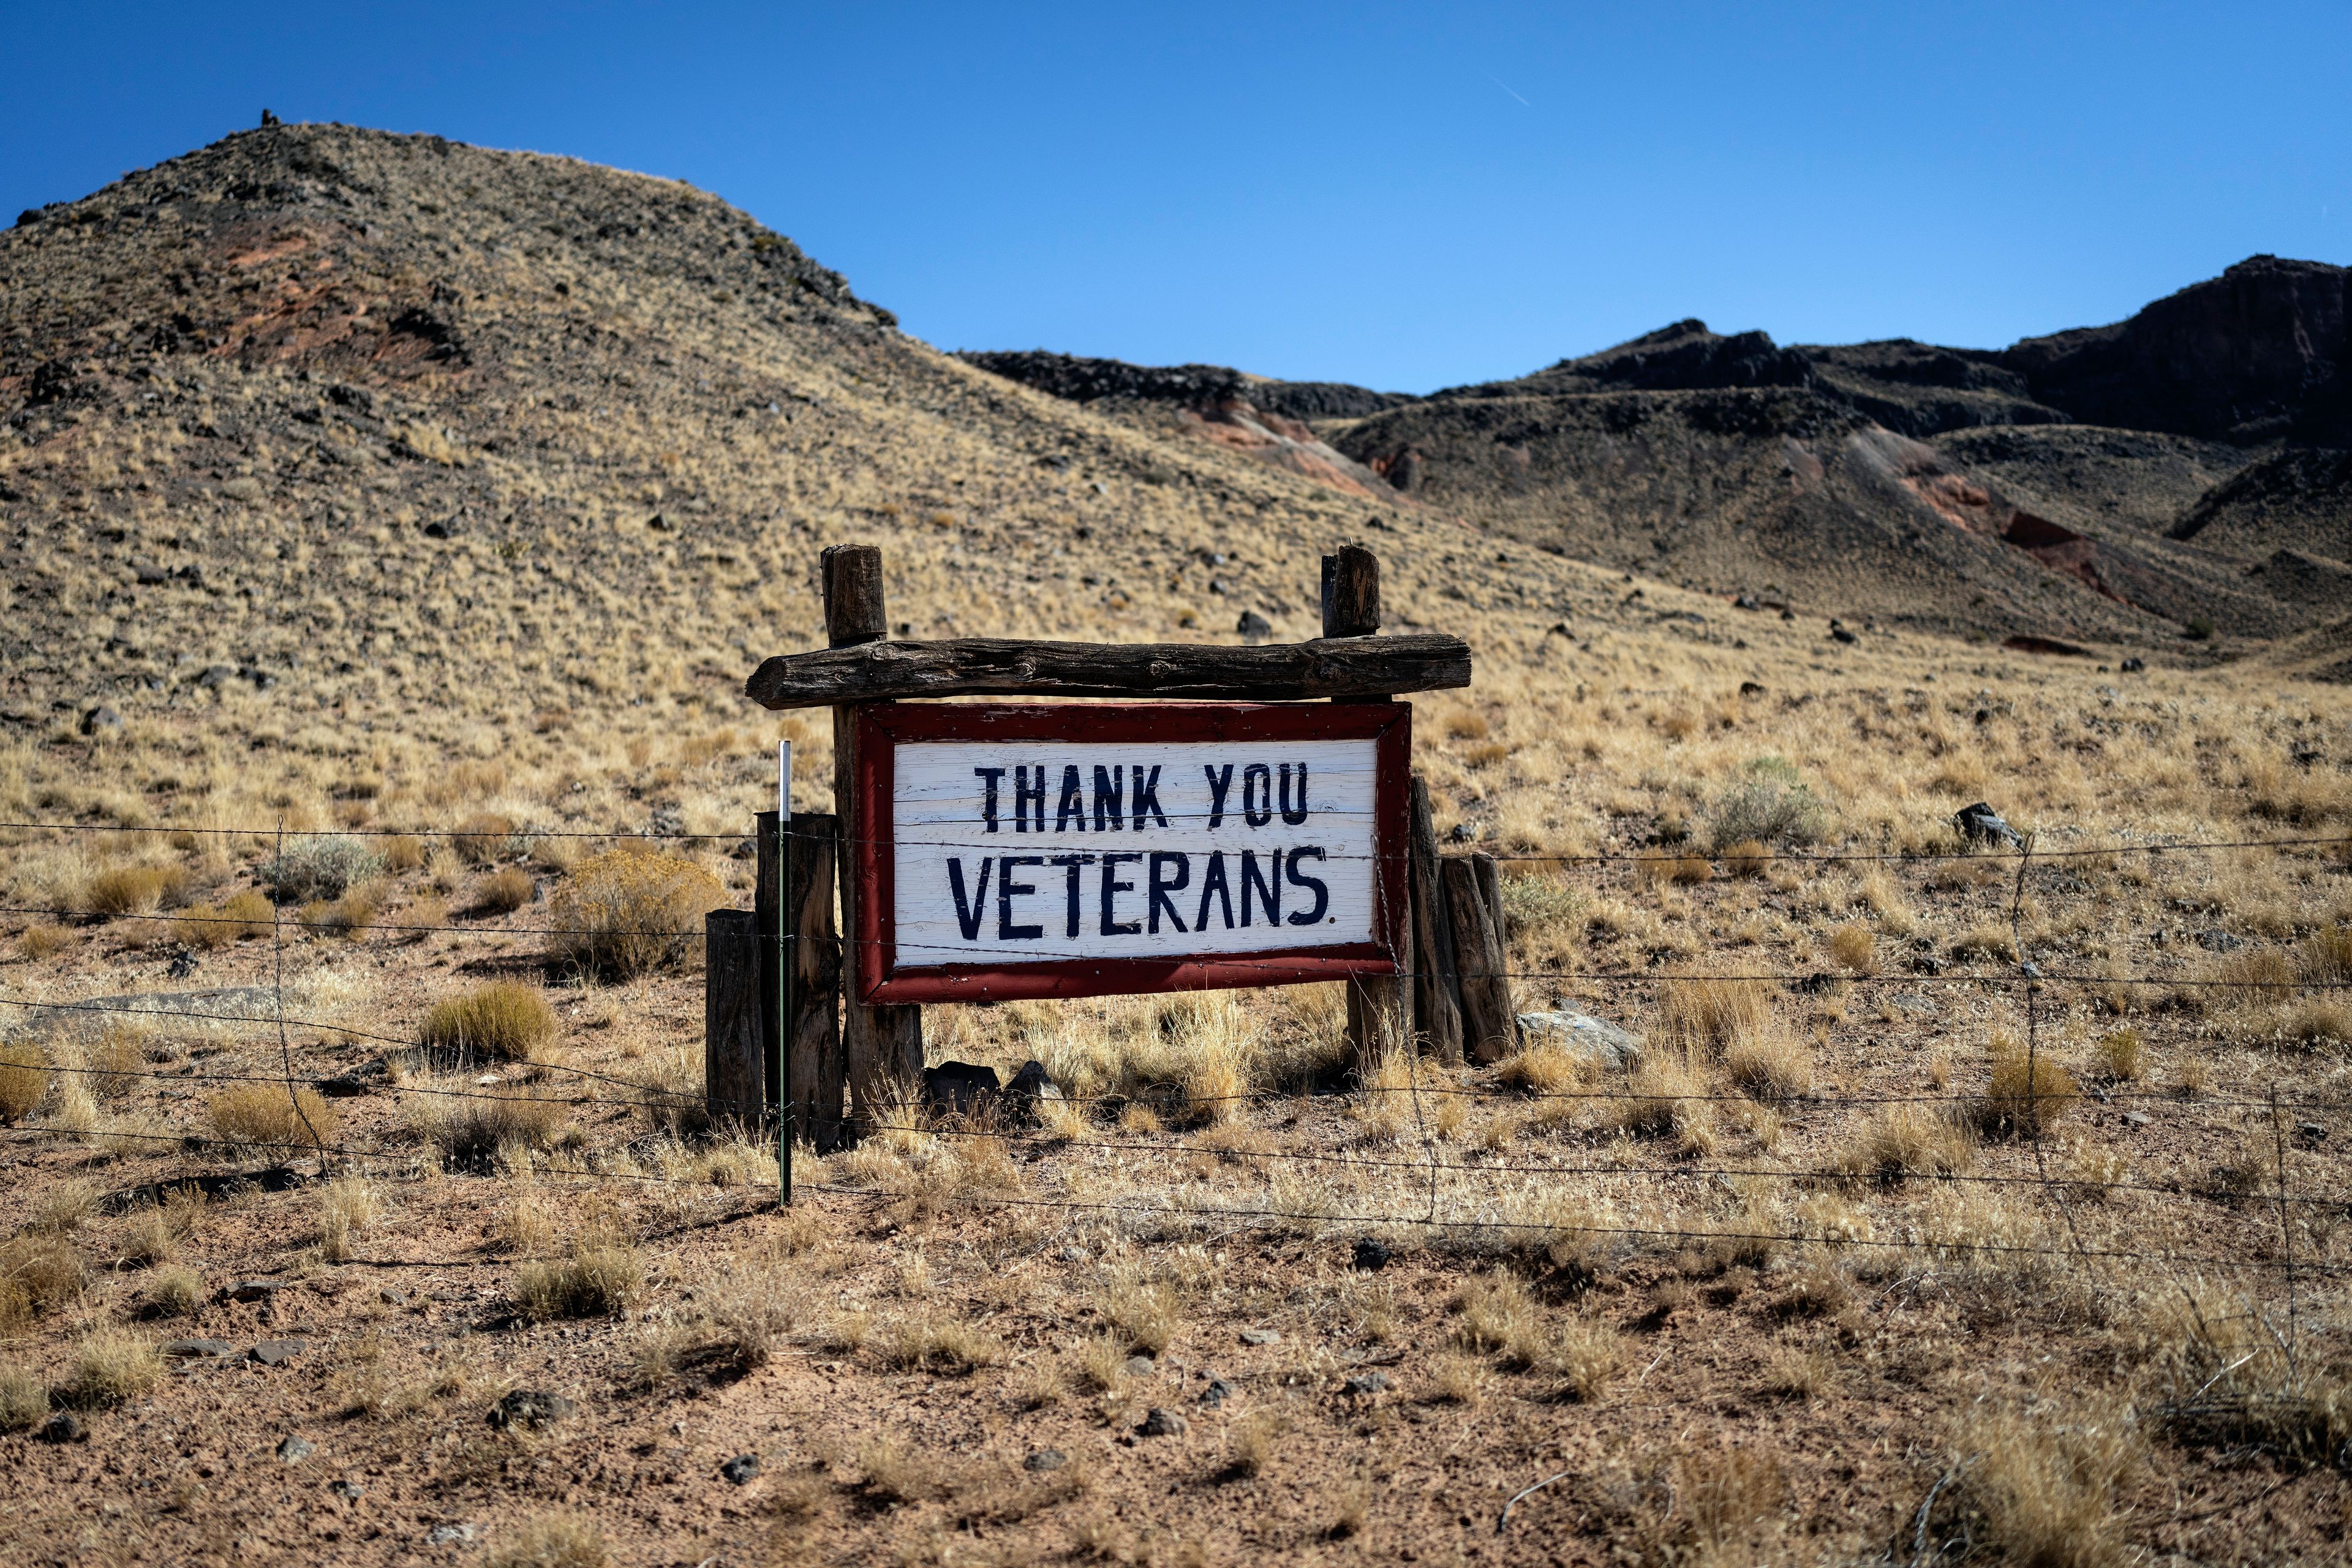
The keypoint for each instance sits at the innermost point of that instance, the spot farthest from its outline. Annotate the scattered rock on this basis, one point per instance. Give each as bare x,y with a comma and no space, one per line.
1840,634
1370,1254
65,1426
1045,1459
349,1491
445,1534
1746,602
255,1289
2312,1131
276,1352
1073,1253
1161,1423
2136,1118
2134,666
294,1447
1260,1337
188,1350
741,1470
100,718
1463,833
1030,1087
184,964
529,1408
347,1086
1139,1365
1583,1034
393,1297
1980,824
216,676
958,1088
2213,939
1217,1392
1918,1006
1364,1384
1253,627
1751,689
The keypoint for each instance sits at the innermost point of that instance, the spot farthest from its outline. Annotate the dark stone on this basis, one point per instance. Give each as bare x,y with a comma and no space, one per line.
959,1089
2215,940
2134,666
65,1426
392,1297
1980,824
255,1289
741,1470
100,718
184,964
439,528
349,1491
1260,1337
1840,634
1045,1459
1366,1383
1030,1087
1140,1366
1160,1422
529,1408
1217,1392
276,1352
1746,602
346,1087
1751,689
217,674
2312,1131
1370,1254
294,1448
1253,627
189,1350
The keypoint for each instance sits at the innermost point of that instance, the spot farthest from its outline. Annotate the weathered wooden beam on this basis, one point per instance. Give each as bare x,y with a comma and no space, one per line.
812,1032
731,1017
1489,1030
882,1044
1436,990
1347,666
1380,1008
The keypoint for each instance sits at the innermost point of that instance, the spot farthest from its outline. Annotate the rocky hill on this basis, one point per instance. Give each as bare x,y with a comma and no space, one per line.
2182,469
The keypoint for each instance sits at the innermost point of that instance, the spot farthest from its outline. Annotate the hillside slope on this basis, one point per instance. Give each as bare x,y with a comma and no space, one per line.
392,425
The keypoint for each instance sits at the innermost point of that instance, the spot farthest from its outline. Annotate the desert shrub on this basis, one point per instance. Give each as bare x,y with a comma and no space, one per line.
24,1079
401,852
264,1120
37,1275
173,1290
483,838
553,1540
313,868
1536,904
598,1280
2324,958
2043,1491
632,910
24,1398
1770,802
506,1020
505,891
1711,1012
1909,1141
45,941
2028,1093
348,916
345,1205
209,926
115,1061
1746,858
470,1126
134,889
2123,1054
1854,946
112,1367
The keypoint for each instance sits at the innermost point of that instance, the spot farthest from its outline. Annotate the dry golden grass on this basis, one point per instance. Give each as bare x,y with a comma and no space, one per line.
938,1342
234,918
1910,1141
2047,1483
24,1399
45,940
264,1120
631,911
1855,947
24,1079
133,890
346,1205
110,1367
470,1125
37,1275
551,1540
599,1279
483,838
504,891
2123,1053
2029,1092
505,1021
173,1290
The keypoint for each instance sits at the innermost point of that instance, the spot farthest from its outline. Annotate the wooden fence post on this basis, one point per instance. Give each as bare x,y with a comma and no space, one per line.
731,1065
813,1033
1436,990
765,916
883,1045
1379,1010
1489,1028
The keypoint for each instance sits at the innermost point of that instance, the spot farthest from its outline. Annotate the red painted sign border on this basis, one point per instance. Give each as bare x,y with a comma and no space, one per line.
881,725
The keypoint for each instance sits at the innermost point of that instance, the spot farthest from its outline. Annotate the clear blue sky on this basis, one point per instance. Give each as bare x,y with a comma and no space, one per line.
1409,197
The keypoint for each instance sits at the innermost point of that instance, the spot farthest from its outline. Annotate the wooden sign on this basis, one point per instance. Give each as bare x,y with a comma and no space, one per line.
1023,851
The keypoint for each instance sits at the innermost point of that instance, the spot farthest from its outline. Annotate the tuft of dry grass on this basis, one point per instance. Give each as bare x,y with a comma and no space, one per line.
1255,1439
156,1230
263,1120
1748,858
346,1205
1910,1141
1711,1013
133,890
1855,947
470,1126
1148,1312
37,1275
348,917
174,1290
552,1541
631,911
938,1342
210,926
504,891
1771,1063
2123,1053
403,852
1583,1354
1499,1316
599,1279
24,1079
506,1020
2028,1093
111,1367
24,1398
1667,1096
483,838
2046,1485
45,940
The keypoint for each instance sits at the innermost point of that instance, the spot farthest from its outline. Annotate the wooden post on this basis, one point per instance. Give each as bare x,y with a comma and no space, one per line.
1378,1009
1489,1028
819,1072
1437,994
1490,889
883,1045
731,1017
765,916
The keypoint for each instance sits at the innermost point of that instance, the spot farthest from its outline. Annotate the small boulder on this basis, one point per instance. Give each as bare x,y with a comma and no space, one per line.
294,1448
2134,666
1253,627
190,1350
100,718
1980,824
1161,1423
1364,1384
1261,1337
1045,1459
276,1352
1370,1256
349,1491
1217,1392
448,1535
255,1289
1139,1365
65,1426
960,1089
741,1470
2213,939
1029,1088
1583,1034
530,1409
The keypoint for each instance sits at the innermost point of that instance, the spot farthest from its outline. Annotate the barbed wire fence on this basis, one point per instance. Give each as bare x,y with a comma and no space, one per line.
2025,978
